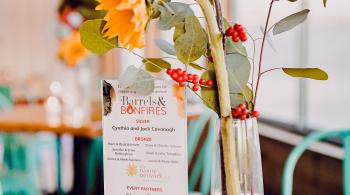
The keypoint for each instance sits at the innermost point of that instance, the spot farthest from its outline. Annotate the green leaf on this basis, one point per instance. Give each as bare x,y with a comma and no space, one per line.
245,96
93,39
290,22
167,19
191,45
165,46
179,30
325,3
226,23
311,73
235,48
196,66
156,64
238,68
137,80
210,95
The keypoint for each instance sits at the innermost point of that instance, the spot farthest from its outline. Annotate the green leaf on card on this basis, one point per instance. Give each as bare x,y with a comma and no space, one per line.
191,45
138,80
93,39
311,73
155,64
290,22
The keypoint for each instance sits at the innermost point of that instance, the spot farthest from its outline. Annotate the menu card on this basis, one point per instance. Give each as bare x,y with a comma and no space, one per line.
144,140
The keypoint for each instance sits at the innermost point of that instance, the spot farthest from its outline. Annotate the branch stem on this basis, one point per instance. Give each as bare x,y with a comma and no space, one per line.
262,51
231,178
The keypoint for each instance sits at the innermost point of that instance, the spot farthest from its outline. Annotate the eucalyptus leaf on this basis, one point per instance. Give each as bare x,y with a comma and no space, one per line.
165,46
196,66
156,64
235,48
191,45
167,19
268,39
245,96
311,73
179,30
290,22
238,68
138,80
210,95
325,3
227,23
93,39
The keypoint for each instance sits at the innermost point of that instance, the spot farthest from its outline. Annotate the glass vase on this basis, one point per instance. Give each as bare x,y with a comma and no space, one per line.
246,147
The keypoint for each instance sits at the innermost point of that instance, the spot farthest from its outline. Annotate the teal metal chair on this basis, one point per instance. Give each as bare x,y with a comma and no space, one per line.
201,171
20,165
344,135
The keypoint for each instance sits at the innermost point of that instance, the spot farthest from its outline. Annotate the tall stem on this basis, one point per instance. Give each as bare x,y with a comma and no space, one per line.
217,51
262,51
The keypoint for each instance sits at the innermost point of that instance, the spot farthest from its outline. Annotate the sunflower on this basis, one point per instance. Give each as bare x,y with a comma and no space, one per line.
126,19
71,51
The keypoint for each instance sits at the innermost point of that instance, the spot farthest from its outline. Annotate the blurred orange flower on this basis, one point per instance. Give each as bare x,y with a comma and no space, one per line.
71,51
126,19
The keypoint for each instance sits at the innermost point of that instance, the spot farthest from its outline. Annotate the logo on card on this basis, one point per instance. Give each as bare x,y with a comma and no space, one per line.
131,171
143,105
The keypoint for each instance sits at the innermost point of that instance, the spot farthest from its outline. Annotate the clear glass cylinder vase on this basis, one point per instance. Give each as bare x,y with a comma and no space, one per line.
246,147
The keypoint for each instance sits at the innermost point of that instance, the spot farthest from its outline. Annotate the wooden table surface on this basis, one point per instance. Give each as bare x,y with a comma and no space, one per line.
34,118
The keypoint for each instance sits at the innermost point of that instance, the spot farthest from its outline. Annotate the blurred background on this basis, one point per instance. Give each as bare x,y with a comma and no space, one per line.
50,120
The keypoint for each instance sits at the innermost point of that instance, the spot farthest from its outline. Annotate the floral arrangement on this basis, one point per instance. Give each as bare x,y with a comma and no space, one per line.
71,14
229,83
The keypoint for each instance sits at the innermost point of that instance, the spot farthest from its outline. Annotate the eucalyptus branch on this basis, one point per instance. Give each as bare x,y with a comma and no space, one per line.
262,51
138,55
269,70
230,177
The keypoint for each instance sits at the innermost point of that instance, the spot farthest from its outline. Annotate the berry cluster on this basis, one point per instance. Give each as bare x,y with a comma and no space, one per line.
237,32
181,77
242,112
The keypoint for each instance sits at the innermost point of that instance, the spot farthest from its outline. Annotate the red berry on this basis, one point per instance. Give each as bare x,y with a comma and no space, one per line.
239,110
235,34
244,38
180,79
182,84
202,81
174,75
195,77
195,87
256,114
210,83
242,106
245,111
195,80
169,71
236,26
235,39
243,117
235,114
185,77
229,31
239,28
190,77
